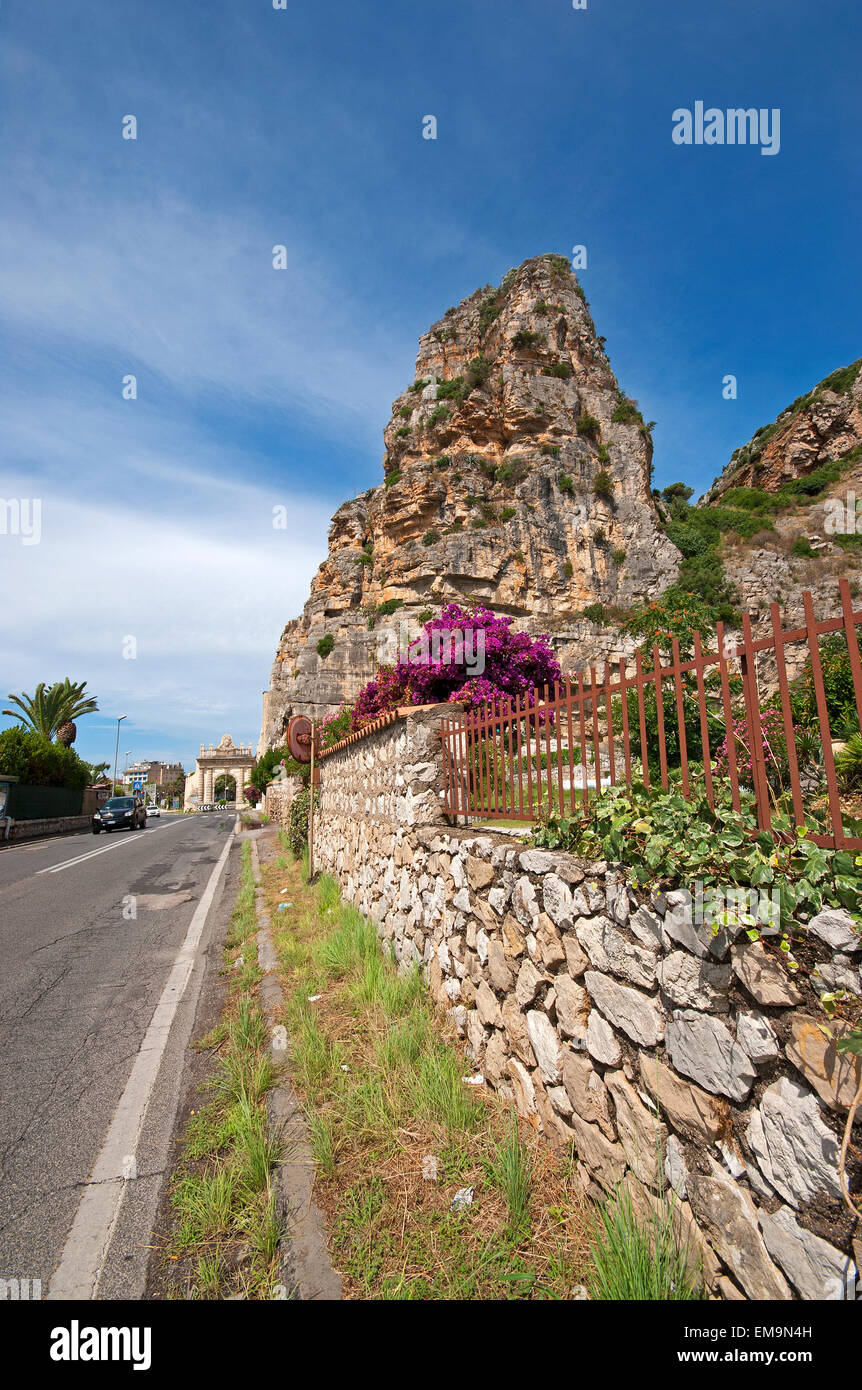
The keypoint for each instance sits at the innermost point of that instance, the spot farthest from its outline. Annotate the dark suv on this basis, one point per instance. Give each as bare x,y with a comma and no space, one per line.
120,812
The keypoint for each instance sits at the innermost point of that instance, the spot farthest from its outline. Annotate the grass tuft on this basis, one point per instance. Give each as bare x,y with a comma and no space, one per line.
636,1260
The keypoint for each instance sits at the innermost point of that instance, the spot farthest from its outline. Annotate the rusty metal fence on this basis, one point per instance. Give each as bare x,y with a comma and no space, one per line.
549,749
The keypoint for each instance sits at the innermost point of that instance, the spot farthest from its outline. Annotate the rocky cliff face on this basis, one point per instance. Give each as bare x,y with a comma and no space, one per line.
821,427
815,443
516,471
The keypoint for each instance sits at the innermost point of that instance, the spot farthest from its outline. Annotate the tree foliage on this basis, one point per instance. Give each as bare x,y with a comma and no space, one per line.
37,762
50,706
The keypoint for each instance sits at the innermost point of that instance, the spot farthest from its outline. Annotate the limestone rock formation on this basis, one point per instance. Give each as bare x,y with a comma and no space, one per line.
818,428
516,471
820,434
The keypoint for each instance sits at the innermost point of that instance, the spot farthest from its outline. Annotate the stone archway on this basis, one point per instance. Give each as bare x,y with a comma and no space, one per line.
225,758
228,791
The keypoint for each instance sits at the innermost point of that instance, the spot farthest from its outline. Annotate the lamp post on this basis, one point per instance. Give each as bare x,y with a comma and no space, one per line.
116,755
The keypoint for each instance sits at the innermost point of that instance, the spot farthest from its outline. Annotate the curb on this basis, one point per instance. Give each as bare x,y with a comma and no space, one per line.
305,1269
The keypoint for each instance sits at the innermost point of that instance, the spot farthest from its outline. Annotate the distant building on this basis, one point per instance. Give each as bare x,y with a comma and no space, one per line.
152,774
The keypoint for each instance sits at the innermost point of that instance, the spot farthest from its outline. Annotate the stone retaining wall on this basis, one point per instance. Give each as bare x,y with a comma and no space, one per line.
35,829
668,1057
278,798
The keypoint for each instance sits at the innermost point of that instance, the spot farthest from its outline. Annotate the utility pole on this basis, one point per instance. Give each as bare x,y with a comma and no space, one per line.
116,755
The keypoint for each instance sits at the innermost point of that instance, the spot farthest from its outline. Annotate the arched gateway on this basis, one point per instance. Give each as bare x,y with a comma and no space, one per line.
211,762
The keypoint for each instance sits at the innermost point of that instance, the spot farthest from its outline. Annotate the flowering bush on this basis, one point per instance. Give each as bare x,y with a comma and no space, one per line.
659,622
467,655
334,727
770,732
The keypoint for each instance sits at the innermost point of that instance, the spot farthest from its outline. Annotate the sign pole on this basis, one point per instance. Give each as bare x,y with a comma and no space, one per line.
311,811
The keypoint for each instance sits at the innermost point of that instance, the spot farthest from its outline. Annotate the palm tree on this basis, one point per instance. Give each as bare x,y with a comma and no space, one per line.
52,711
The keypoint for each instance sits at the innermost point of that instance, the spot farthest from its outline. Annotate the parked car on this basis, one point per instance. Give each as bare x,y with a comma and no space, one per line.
119,813
154,811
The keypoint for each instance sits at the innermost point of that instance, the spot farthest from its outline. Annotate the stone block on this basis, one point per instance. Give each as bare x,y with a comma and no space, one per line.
635,1014
704,1050
693,1112
798,1154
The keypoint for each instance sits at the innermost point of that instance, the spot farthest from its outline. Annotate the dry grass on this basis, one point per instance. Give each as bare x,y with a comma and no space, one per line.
382,1085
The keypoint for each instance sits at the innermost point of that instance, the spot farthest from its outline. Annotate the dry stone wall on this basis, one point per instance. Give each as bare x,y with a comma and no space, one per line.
668,1057
279,797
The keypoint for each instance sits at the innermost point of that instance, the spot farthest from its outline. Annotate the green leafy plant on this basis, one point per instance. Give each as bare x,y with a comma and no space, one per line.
566,484
431,537
37,761
563,370
626,411
663,836
589,426
559,266
594,613
848,762
488,312
297,821
451,390
603,486
52,710
525,339
510,471
510,1168
479,372
636,1260
837,684
388,607
325,645
802,548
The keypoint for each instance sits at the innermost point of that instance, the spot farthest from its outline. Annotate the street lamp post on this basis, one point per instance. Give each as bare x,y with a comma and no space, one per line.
116,755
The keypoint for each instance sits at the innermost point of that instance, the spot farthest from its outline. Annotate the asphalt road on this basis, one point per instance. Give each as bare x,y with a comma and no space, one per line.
106,943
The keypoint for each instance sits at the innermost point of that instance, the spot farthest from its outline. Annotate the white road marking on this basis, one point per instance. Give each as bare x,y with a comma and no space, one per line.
91,854
86,1248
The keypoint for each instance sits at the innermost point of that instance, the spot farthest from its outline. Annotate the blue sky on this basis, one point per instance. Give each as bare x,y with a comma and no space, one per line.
259,388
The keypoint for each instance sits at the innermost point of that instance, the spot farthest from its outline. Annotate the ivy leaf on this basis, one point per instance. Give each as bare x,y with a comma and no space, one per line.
762,873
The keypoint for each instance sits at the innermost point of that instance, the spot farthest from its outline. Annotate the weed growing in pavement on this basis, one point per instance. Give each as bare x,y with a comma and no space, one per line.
383,1089
225,1233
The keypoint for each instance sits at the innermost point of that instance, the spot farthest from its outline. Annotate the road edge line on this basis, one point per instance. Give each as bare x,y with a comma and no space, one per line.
86,1247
